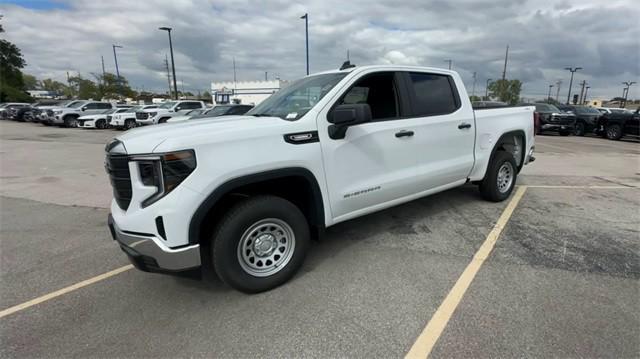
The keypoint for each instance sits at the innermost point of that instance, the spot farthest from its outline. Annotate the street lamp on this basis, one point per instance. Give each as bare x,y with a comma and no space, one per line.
450,62
173,65
115,59
586,91
549,95
306,34
573,70
486,89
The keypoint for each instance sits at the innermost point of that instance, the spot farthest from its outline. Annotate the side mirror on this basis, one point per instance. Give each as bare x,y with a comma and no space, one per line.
178,108
84,108
344,116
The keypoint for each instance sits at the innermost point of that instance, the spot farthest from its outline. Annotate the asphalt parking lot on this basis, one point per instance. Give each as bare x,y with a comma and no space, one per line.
561,280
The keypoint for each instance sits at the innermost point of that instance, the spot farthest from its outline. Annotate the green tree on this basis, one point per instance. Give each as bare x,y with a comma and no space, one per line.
506,90
206,95
11,63
84,88
55,86
31,82
475,98
109,87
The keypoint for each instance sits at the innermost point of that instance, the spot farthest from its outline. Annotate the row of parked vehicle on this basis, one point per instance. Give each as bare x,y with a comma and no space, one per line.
101,115
612,123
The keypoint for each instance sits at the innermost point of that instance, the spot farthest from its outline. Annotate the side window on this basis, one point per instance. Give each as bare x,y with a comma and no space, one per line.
91,106
379,92
190,105
104,106
434,94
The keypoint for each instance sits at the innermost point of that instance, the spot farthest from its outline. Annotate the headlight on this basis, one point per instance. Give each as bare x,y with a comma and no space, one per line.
152,114
165,172
57,112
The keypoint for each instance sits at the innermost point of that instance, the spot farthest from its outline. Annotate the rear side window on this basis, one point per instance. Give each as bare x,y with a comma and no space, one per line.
434,94
104,106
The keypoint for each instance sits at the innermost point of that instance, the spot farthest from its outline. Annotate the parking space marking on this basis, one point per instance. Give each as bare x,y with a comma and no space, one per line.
63,291
582,187
431,333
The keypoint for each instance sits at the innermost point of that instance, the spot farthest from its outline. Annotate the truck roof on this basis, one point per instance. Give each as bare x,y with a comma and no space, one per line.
387,67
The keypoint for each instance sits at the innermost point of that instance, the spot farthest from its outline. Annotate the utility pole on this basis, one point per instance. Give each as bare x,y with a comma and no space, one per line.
103,72
549,95
573,70
348,59
173,64
265,76
450,62
486,89
504,71
306,32
626,92
166,66
115,59
586,89
558,83
473,89
583,83
234,74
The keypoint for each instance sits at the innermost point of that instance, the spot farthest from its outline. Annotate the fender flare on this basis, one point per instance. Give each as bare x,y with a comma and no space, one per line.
505,136
317,210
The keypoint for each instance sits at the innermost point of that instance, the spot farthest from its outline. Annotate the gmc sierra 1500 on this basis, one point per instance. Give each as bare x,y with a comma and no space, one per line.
243,195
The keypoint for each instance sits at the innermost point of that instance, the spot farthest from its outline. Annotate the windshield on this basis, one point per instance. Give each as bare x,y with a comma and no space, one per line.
168,104
194,112
75,104
218,111
546,107
587,110
295,100
111,110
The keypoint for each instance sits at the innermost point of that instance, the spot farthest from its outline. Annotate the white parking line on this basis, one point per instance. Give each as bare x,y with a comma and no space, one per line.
431,333
63,291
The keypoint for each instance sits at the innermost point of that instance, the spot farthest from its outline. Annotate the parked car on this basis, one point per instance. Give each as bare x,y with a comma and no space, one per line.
220,110
101,120
604,110
586,118
489,104
246,195
46,115
127,120
553,119
19,112
167,110
616,125
68,116
9,109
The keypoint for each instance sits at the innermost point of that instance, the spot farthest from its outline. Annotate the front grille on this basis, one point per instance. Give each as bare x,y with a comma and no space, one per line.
80,123
142,115
109,118
117,167
49,113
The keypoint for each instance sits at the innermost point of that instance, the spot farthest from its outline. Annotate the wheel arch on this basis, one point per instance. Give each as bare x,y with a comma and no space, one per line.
225,195
508,142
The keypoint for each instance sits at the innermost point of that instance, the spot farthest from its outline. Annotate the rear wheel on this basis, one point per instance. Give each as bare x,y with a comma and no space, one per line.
101,124
70,121
579,129
613,132
260,244
500,178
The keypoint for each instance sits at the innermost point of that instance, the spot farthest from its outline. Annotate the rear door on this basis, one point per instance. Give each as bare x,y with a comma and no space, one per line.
444,130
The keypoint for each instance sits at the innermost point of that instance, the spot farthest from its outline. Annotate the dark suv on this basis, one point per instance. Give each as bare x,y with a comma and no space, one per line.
586,118
553,119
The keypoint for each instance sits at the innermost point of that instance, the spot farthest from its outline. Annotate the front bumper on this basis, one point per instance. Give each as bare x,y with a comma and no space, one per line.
148,121
147,253
57,119
87,123
557,127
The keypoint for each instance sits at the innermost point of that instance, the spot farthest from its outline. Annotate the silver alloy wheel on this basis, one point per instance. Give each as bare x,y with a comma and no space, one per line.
266,247
505,177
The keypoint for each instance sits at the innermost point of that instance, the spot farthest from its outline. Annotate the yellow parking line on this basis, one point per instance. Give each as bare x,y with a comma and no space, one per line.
63,291
429,336
583,187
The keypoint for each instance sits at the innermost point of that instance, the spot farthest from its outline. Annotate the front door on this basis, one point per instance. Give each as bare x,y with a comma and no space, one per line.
374,164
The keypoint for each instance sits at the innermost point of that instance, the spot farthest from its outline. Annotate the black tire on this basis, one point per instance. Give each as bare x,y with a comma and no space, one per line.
613,131
235,225
129,124
70,121
163,120
101,124
579,129
489,187
565,133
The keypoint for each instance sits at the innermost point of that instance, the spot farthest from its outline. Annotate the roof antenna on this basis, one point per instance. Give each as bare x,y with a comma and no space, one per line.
347,65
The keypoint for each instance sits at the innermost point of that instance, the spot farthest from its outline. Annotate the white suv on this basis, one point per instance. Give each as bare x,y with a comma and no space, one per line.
68,116
127,120
244,195
167,110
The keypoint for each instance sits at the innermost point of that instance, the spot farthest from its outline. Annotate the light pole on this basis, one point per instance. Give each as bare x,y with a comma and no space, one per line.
573,70
486,89
473,92
173,64
558,83
115,59
549,95
626,91
450,62
306,34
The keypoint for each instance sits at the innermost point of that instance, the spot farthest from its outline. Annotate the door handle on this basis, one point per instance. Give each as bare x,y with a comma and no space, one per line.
404,133
464,125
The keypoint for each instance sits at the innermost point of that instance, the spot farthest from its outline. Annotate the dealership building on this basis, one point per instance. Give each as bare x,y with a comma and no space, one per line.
244,92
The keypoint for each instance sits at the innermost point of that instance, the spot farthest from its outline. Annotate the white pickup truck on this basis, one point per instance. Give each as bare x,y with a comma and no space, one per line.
242,196
166,110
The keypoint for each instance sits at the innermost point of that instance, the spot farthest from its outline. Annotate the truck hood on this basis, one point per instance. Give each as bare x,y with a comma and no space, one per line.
188,134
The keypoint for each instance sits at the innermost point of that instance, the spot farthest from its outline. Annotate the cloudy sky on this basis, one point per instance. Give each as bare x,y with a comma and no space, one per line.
545,36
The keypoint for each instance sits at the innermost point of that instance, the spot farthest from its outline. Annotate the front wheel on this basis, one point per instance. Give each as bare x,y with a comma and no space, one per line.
70,122
129,124
500,178
613,132
260,243
101,124
579,129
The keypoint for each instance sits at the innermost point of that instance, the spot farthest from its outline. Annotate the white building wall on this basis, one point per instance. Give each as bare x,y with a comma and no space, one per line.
246,92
